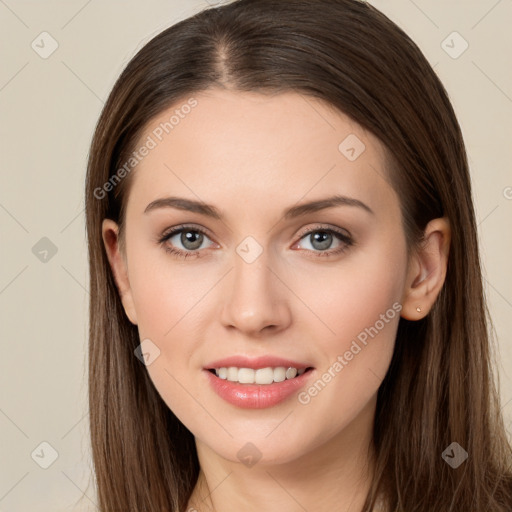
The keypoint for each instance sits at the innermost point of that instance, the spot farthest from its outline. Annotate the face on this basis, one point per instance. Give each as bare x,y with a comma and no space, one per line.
257,280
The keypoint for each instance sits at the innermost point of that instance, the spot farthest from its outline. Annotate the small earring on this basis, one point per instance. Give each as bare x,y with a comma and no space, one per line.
418,309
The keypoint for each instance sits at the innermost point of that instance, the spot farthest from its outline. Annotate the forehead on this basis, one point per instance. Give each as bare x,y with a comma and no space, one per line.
220,145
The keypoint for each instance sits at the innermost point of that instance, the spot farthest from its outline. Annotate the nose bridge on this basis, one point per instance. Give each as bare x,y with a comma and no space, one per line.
255,299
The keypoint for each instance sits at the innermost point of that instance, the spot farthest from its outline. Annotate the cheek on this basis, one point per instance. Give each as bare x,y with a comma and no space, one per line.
165,293
169,313
362,306
352,294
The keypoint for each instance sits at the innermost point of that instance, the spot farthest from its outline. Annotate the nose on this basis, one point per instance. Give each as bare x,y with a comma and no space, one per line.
256,300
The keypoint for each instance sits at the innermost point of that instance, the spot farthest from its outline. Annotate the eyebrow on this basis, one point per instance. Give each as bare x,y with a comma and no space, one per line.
209,210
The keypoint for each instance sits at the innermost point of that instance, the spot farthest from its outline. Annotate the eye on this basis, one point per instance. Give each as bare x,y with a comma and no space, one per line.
190,238
321,238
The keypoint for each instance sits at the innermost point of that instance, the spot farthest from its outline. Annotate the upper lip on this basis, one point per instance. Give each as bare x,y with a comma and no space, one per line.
256,362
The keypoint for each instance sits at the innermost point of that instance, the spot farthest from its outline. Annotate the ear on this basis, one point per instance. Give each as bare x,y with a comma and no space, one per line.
427,270
118,264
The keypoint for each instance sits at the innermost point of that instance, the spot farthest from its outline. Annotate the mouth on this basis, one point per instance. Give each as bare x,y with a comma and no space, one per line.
257,383
263,376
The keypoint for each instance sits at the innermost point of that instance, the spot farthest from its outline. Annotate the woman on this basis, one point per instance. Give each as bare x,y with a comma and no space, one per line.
286,297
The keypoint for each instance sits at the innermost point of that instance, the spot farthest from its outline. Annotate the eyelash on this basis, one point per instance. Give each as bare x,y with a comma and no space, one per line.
347,240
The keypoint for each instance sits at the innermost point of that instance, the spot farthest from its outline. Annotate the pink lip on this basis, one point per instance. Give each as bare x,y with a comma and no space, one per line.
256,396
255,362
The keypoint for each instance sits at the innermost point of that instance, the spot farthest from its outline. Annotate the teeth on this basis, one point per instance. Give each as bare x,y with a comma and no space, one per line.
264,376
261,376
232,374
246,376
279,374
290,373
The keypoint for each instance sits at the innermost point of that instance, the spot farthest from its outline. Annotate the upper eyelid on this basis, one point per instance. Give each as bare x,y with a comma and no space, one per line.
182,227
193,227
339,231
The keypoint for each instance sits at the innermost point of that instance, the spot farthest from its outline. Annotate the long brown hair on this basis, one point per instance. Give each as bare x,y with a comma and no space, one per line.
440,386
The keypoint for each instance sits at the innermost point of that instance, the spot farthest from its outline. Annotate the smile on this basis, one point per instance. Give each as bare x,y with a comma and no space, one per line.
255,388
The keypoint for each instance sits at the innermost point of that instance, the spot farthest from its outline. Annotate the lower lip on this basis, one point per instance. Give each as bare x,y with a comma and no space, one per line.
256,396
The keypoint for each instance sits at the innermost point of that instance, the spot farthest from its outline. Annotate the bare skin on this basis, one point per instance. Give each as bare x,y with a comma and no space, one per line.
253,156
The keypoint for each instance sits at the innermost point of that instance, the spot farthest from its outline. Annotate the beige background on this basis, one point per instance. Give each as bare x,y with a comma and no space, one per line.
48,109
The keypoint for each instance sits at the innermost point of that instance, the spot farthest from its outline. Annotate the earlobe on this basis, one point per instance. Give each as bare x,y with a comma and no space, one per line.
118,265
427,270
